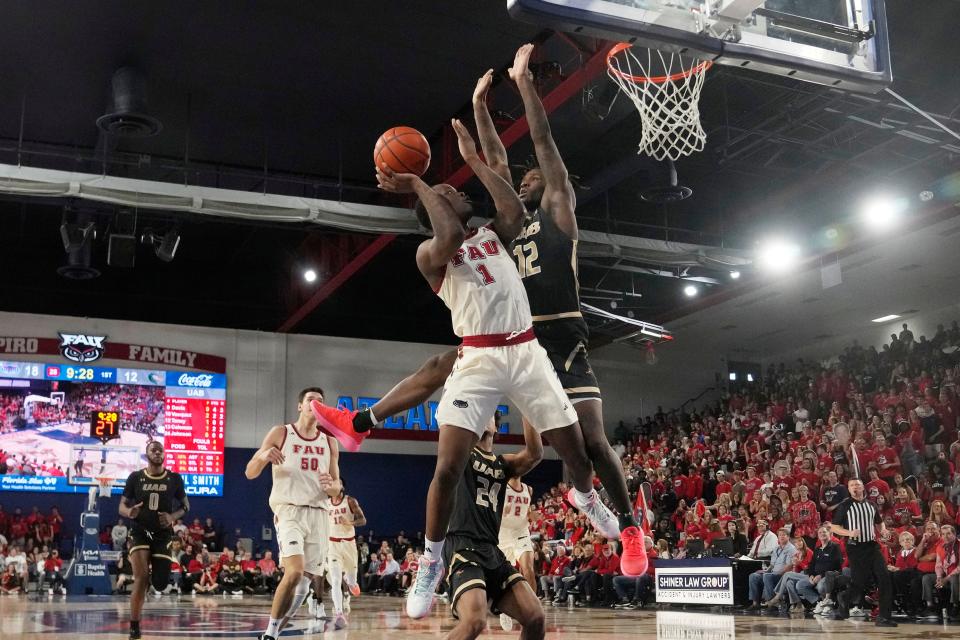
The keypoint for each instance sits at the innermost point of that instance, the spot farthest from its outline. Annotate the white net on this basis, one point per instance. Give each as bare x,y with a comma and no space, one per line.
665,89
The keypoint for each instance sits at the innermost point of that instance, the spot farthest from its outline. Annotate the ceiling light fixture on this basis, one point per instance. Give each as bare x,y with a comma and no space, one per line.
310,275
882,212
690,291
888,318
734,275
777,255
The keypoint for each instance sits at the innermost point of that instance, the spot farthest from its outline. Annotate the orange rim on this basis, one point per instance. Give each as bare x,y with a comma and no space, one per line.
680,75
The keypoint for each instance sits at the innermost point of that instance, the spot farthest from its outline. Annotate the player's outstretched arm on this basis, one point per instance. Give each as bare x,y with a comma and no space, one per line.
558,196
493,150
530,456
508,219
448,232
268,453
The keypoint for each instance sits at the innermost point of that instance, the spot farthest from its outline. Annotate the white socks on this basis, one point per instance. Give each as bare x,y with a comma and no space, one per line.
433,550
334,578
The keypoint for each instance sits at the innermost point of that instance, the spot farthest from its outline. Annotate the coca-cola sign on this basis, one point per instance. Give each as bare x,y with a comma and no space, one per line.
200,380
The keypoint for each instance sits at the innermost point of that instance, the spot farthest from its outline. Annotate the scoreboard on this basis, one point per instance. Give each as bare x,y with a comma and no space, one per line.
71,425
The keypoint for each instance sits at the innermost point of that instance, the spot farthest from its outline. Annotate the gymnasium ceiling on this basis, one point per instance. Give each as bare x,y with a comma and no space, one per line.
289,97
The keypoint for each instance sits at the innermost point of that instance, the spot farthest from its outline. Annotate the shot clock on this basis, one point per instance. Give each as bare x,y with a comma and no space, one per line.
105,425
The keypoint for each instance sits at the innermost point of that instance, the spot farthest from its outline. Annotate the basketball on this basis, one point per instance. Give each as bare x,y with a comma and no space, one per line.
403,149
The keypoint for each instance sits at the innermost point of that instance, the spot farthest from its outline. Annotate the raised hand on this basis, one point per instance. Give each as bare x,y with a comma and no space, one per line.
468,148
520,69
483,86
390,180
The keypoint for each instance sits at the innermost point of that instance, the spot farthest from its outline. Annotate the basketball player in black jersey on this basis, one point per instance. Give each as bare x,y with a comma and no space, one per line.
478,575
545,251
153,499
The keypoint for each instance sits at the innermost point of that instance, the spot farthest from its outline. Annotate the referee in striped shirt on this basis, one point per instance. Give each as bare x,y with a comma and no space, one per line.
855,518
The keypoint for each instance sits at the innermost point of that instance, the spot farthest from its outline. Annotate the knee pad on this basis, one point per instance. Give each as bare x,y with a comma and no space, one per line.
159,572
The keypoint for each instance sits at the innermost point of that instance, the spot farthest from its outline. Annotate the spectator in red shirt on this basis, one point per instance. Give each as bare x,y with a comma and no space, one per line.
888,462
56,523
806,517
608,569
52,573
946,572
558,569
906,578
722,485
753,483
196,531
875,486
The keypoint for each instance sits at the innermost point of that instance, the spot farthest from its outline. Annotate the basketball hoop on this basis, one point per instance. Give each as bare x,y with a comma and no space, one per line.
665,89
106,485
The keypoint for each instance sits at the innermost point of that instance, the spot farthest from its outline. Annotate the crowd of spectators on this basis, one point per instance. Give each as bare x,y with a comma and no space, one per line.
759,472
30,549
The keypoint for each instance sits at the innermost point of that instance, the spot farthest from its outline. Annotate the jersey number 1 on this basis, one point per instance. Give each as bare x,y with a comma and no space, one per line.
487,495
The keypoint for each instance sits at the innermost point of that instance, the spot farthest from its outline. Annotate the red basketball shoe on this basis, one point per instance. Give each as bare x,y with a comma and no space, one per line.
339,423
634,560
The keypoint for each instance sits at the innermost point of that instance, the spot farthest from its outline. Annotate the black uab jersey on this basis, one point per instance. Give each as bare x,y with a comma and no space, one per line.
547,261
159,494
480,496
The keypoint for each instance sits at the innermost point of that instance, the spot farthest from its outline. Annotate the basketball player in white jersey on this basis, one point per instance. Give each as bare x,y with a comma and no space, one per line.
515,529
473,273
515,535
345,514
306,474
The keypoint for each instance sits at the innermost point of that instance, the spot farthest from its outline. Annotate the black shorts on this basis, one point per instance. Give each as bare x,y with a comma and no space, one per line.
565,341
158,542
477,565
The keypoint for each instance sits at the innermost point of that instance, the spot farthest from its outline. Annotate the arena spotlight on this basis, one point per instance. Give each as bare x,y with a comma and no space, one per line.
164,246
777,255
75,236
690,291
882,212
734,275
310,275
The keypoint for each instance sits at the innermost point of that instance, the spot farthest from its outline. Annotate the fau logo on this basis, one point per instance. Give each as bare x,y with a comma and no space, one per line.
490,248
81,348
201,380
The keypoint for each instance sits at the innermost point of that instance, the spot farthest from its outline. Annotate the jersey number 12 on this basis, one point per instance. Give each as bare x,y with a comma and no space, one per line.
527,259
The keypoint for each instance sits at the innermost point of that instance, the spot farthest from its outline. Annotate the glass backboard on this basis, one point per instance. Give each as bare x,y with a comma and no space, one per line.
841,43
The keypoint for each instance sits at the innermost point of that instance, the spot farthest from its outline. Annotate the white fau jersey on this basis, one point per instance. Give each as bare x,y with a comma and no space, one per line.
338,514
482,288
516,505
297,481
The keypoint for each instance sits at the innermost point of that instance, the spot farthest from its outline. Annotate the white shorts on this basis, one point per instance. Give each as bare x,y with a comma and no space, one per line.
483,376
514,544
302,531
344,554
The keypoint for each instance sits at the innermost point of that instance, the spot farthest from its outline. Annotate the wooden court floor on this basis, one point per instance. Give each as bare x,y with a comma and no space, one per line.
376,618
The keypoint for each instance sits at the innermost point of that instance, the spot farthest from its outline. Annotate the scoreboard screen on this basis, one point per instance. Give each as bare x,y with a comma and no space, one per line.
64,428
